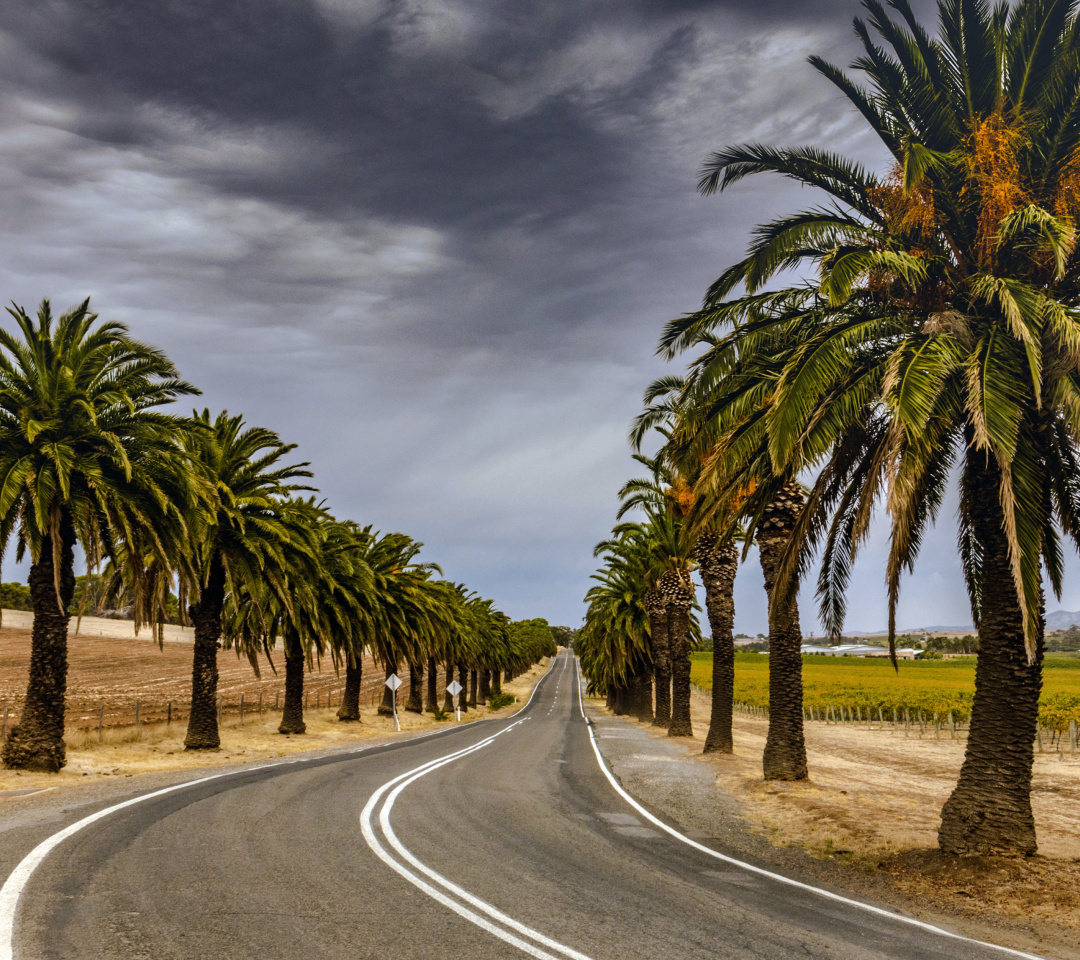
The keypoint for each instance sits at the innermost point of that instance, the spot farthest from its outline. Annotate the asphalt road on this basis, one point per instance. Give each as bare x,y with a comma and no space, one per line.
492,840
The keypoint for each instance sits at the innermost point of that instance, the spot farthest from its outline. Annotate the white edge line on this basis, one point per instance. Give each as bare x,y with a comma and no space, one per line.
16,881
373,842
779,877
491,911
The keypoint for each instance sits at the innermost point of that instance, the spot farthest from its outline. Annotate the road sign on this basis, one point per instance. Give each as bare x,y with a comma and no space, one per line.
393,682
453,687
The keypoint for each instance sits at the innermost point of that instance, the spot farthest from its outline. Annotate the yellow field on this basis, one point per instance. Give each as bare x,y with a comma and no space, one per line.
932,686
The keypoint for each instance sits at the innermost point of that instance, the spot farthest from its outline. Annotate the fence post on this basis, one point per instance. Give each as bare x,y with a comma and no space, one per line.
1072,736
260,703
220,708
1038,735
318,700
100,718
168,715
952,726
3,729
138,711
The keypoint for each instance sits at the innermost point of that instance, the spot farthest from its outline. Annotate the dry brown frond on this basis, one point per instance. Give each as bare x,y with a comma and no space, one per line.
908,216
993,162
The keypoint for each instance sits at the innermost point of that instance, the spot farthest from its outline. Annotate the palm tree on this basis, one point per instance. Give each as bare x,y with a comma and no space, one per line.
942,330
241,541
86,460
617,630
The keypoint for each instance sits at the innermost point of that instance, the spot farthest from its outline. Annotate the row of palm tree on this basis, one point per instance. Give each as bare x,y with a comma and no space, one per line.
919,329
216,510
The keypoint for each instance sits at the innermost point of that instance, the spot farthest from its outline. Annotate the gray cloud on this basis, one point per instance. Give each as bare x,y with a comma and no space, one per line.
431,240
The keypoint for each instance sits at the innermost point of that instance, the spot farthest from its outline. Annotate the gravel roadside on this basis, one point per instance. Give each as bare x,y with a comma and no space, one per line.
686,789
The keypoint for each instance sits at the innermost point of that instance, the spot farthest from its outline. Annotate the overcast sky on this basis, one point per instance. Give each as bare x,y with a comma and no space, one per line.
431,241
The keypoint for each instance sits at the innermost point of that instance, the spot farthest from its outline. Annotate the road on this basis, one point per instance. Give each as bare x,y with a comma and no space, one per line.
492,840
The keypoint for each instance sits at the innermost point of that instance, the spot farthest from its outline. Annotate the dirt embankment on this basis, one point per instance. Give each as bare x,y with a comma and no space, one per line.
117,672
871,809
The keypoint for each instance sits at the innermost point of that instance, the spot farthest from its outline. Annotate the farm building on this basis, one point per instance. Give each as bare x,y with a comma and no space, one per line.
859,650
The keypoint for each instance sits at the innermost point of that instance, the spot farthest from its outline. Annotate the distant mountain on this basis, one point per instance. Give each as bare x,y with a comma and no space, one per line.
1058,620
937,628
1061,620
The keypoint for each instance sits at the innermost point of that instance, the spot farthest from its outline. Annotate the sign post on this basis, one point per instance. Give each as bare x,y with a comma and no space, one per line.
454,688
393,682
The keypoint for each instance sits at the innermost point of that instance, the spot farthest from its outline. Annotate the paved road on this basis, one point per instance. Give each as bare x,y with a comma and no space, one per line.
517,845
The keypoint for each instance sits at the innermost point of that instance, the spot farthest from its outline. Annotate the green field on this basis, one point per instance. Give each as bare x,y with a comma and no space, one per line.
932,686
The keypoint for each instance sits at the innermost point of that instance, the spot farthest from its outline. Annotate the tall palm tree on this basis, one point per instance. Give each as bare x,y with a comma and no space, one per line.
241,540
943,329
86,459
714,541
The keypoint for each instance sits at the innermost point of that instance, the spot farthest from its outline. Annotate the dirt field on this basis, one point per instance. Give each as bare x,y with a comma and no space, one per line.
873,802
117,672
128,752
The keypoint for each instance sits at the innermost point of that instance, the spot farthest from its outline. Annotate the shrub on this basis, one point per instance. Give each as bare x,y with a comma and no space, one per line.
501,699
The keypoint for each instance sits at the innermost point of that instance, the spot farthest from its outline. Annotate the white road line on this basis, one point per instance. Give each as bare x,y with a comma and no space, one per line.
367,828
779,877
11,891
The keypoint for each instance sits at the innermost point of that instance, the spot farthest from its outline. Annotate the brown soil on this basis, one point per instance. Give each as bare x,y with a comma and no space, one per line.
873,805
128,752
118,671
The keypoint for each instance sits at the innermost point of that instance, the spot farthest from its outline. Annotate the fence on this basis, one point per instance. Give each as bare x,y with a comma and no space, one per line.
110,713
914,723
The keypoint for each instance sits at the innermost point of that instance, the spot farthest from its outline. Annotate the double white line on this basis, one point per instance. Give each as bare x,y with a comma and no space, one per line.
434,884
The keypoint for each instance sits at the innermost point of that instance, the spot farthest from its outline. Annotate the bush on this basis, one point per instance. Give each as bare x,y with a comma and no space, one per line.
501,699
439,714
15,596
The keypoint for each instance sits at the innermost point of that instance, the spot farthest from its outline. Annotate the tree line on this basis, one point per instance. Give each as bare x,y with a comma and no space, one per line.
918,329
209,517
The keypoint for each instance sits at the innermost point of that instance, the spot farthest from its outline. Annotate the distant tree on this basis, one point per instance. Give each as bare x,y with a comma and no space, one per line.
15,596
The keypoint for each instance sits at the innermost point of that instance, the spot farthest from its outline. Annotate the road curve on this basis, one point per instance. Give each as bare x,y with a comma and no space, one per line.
493,840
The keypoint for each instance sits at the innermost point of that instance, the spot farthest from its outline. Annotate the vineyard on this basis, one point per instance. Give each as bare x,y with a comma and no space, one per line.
932,687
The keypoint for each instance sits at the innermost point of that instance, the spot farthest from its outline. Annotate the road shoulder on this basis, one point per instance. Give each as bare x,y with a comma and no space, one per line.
673,779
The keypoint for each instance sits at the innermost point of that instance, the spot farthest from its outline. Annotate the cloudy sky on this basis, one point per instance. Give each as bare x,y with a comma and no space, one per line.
431,241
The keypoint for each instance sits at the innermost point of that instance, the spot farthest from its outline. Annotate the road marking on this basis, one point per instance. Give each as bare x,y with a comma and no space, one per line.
367,828
11,891
779,877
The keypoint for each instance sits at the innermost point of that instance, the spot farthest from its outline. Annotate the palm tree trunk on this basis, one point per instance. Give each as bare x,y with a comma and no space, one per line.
658,632
37,741
349,711
202,728
718,564
448,698
679,630
485,686
496,683
416,683
463,693
474,681
509,675
292,717
785,749
386,705
431,700
989,811
643,695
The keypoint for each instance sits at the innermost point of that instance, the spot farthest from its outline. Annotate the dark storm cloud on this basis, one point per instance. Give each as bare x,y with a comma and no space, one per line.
433,240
